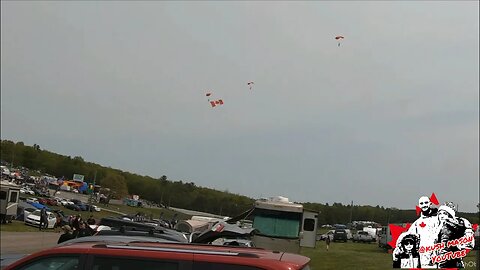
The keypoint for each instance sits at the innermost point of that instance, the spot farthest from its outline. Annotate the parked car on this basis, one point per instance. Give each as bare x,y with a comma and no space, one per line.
92,208
27,211
65,202
340,235
75,201
27,191
34,219
82,206
73,206
362,236
32,200
43,201
155,255
51,201
349,234
41,193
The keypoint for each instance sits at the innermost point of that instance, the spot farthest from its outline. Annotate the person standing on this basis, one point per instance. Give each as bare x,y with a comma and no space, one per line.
327,241
58,223
43,219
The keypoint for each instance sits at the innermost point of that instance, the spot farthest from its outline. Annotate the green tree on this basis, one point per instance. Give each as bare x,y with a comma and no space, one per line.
116,183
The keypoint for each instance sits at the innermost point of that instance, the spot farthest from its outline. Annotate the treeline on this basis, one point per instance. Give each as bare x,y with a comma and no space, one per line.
182,194
159,190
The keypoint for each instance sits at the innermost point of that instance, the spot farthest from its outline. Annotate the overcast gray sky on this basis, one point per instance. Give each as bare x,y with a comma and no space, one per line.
390,115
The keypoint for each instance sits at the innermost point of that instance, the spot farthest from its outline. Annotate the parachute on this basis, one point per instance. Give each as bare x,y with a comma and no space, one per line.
250,84
214,103
339,38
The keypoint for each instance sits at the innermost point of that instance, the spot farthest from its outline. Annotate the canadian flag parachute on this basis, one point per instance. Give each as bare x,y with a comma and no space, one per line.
214,103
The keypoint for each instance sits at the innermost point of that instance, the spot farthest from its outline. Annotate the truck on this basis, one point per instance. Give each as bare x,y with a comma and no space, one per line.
363,236
281,225
9,196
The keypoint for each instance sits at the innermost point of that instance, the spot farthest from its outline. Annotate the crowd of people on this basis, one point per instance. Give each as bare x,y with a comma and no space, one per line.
77,227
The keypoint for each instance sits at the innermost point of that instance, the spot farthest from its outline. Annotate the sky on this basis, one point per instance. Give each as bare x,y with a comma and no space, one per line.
386,117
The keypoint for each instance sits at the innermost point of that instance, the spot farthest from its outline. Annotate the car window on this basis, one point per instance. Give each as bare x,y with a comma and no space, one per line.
53,263
221,266
115,263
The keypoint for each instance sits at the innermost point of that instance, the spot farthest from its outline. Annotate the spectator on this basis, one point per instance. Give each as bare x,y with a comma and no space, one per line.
58,223
327,241
67,234
84,230
43,219
76,222
91,220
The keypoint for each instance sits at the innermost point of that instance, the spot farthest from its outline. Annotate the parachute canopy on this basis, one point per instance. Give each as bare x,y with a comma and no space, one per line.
339,38
216,102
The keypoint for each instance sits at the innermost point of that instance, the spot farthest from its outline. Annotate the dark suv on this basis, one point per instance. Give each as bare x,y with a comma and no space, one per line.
340,235
109,255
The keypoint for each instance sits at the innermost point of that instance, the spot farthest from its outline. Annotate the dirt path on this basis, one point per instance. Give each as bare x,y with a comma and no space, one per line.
26,242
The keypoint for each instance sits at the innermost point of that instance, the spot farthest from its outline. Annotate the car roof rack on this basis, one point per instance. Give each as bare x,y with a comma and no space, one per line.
181,250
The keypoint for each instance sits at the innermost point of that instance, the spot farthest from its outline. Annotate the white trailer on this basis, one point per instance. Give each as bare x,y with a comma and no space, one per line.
9,196
283,225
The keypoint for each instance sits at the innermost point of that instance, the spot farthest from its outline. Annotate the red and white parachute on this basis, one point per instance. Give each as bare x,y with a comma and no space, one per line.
217,102
339,39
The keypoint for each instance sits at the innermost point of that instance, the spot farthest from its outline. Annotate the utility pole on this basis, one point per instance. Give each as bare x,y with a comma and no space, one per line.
351,212
90,200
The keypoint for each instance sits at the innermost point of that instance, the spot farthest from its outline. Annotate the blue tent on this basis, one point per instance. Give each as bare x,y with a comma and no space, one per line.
39,206
83,187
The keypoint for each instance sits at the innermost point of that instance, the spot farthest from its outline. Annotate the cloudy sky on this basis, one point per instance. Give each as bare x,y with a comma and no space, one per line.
390,115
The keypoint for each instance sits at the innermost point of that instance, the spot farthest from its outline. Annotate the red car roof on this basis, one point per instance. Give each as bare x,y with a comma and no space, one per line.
182,251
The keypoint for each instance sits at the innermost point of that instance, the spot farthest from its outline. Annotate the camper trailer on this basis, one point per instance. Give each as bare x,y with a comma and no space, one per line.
283,225
9,194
